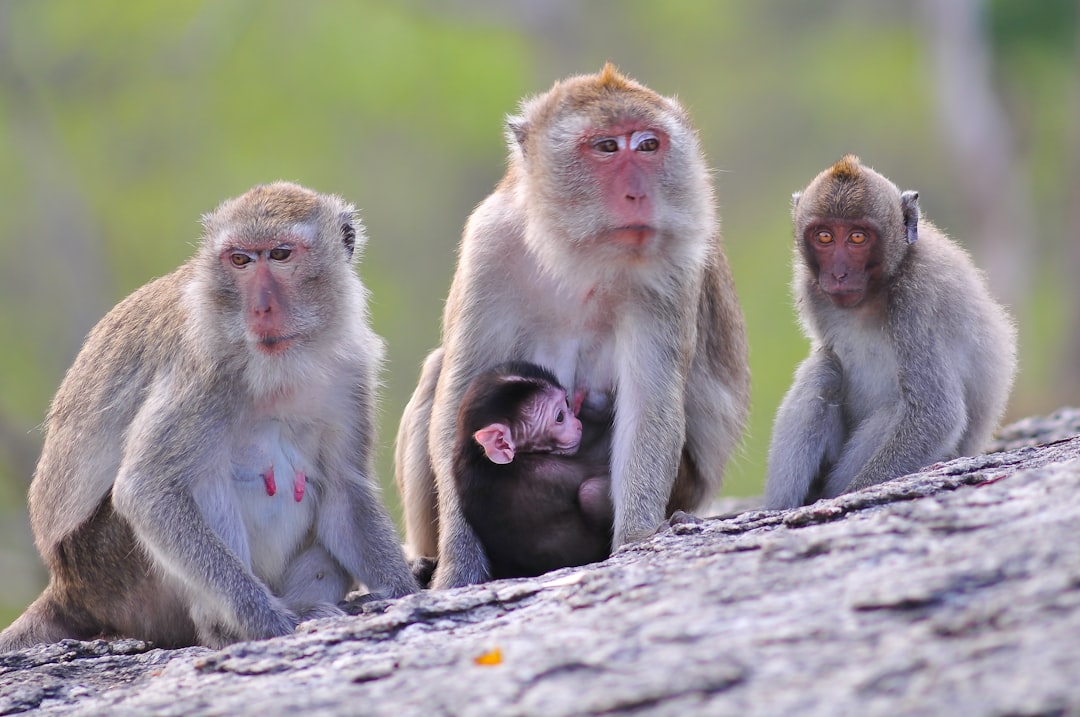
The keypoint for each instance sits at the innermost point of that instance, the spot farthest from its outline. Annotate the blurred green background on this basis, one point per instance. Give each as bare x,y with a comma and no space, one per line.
122,122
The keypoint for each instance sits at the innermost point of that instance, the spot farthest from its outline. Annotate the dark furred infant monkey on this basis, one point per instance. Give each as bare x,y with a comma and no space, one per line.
911,360
535,502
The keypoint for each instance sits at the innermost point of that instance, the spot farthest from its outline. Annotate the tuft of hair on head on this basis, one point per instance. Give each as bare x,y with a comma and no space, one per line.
611,78
848,167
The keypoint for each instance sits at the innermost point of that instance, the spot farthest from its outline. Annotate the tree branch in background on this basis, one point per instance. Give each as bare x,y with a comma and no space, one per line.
982,145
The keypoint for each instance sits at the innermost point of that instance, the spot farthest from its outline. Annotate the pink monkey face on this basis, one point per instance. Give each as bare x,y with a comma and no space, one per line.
559,426
546,424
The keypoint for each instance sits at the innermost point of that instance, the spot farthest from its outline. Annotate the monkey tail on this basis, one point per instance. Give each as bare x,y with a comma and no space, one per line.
41,623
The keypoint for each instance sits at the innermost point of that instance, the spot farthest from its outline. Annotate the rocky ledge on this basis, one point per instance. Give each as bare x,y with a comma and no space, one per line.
955,590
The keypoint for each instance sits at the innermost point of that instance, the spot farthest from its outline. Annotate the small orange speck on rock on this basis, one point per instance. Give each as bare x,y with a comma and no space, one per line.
491,657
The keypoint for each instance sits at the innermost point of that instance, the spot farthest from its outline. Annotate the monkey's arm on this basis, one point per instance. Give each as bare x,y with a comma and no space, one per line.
717,391
483,325
649,431
808,432
462,560
925,425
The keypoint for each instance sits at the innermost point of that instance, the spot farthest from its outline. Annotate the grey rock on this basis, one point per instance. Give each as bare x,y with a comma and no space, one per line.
953,591
1063,423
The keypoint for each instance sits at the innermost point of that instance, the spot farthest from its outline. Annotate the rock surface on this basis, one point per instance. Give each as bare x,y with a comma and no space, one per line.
952,591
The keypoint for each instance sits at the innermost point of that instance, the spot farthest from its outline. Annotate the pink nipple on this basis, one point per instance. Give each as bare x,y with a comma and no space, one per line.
299,485
268,479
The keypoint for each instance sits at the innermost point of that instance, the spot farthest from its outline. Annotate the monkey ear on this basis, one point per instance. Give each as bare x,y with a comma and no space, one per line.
348,237
909,204
795,200
497,444
517,130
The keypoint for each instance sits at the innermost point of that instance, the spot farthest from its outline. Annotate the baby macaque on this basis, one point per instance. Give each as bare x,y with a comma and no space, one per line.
535,502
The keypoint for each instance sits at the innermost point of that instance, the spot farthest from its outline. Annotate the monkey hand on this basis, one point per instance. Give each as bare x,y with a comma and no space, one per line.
256,616
272,620
681,523
455,574
679,517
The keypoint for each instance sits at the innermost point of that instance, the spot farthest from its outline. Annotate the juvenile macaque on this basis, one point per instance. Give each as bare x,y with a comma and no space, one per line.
911,360
207,474
597,256
533,501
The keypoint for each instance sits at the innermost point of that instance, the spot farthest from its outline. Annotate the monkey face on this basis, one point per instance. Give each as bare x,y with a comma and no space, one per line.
846,258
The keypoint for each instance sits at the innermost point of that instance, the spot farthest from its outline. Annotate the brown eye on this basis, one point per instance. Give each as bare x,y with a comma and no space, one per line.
280,253
560,416
823,237
649,145
239,259
606,145
857,237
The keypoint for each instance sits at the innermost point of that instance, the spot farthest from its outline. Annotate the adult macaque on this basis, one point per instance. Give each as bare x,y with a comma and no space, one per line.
534,504
911,360
207,473
598,256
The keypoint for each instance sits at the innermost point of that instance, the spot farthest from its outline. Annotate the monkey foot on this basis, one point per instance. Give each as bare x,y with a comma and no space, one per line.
298,486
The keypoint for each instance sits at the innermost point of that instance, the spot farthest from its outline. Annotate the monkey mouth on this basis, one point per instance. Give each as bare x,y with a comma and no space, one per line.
846,298
275,344
633,236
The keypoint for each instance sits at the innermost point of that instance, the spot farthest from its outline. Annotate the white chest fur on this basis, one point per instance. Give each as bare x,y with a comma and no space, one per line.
275,477
871,369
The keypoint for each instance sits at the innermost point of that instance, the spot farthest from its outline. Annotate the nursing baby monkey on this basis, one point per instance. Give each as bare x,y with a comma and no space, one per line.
207,474
536,496
597,256
911,360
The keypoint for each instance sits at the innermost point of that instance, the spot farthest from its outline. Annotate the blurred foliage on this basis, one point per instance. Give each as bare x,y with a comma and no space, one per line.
121,123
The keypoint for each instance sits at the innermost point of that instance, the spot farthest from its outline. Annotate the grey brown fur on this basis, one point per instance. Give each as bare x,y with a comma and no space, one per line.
145,504
658,334
918,373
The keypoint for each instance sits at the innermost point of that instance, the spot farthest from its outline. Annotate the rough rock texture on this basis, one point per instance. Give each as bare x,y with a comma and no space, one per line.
953,591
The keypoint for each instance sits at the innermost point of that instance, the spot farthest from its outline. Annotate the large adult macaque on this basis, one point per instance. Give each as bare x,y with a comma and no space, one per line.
598,256
911,360
207,474
536,498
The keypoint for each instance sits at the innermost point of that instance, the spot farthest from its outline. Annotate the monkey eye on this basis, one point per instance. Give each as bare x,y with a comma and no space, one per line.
857,238
644,142
280,253
239,259
560,416
606,145
824,237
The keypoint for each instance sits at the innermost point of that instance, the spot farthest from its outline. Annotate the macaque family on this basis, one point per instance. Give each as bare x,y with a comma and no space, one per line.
207,473
911,360
598,256
528,487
